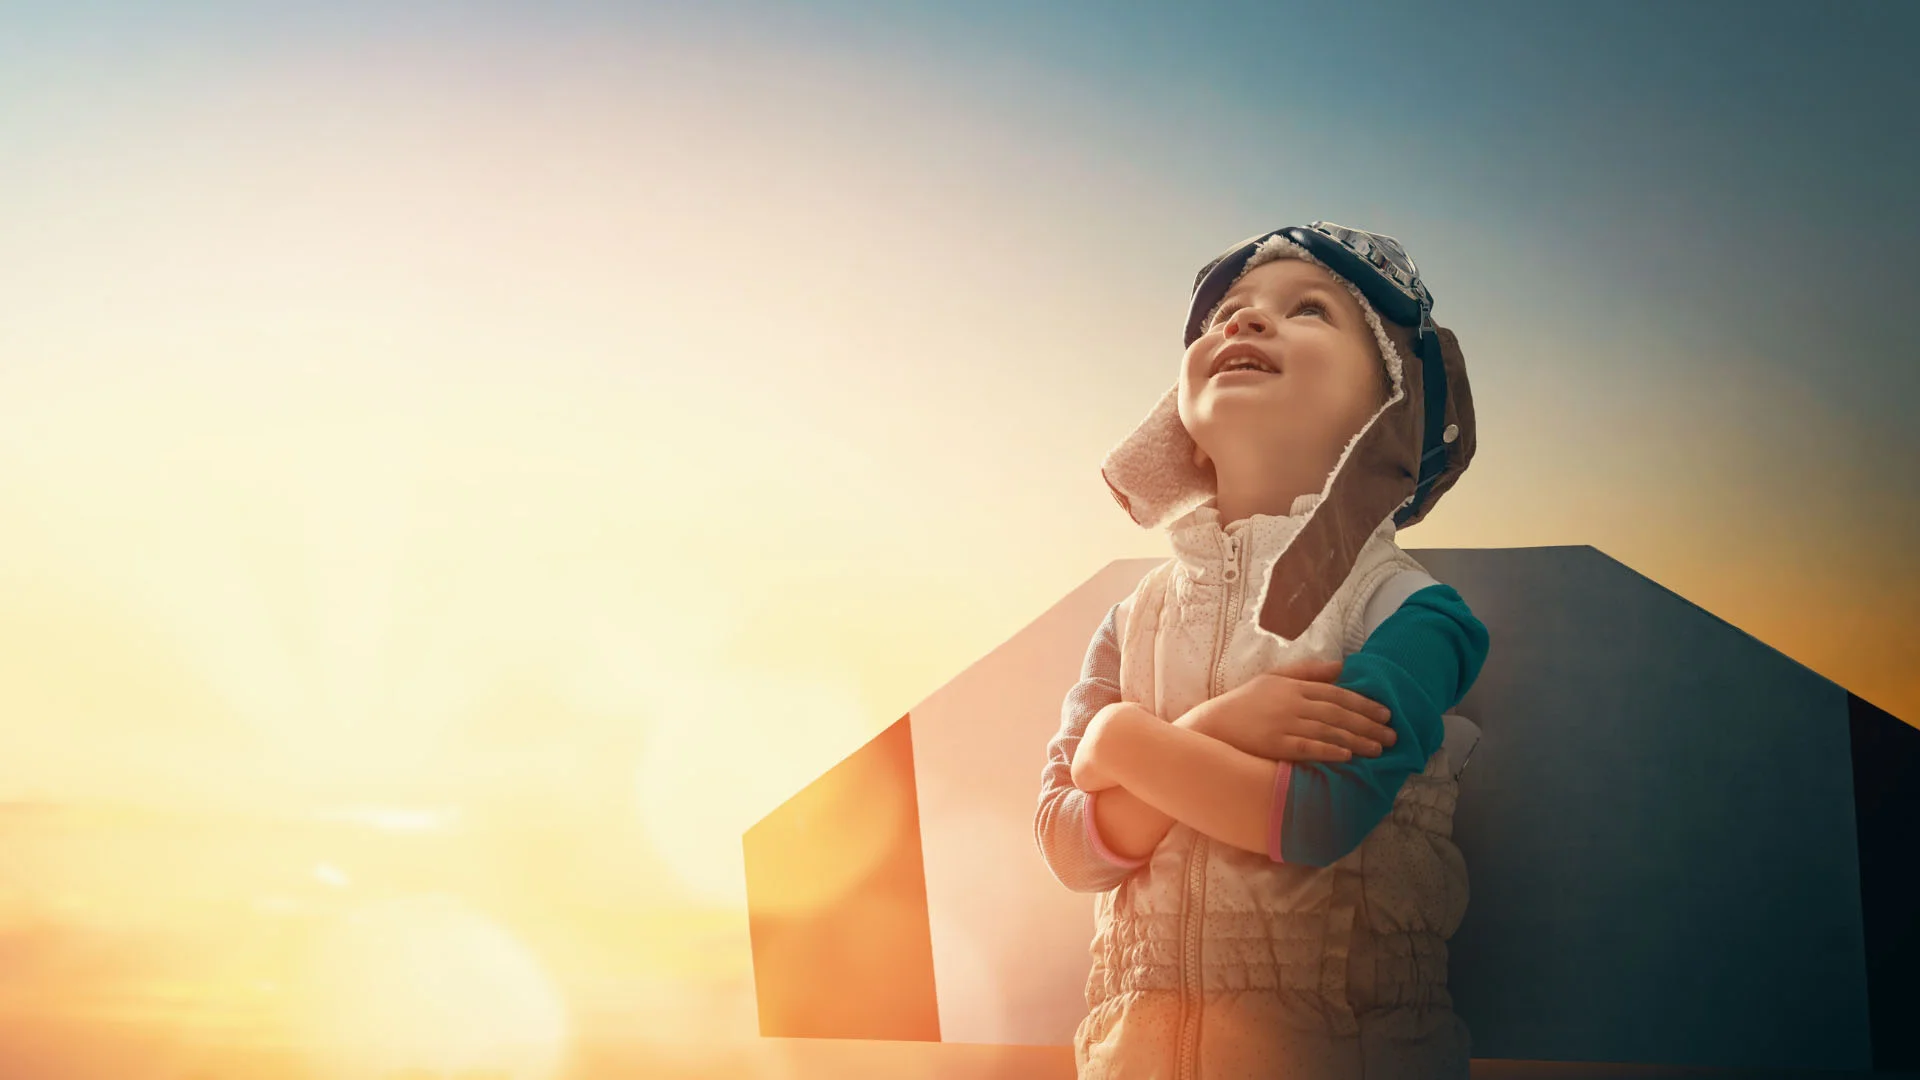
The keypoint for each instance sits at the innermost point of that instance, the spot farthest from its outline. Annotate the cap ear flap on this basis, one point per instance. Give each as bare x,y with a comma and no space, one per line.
1365,490
1151,472
1374,481
1458,416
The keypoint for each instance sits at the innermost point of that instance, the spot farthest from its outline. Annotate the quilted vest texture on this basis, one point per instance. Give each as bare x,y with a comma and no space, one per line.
1210,962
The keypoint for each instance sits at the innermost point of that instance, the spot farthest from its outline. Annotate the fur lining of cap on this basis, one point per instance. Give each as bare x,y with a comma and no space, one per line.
1151,473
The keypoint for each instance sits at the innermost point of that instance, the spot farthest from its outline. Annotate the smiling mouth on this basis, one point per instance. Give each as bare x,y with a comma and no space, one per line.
1240,366
1243,358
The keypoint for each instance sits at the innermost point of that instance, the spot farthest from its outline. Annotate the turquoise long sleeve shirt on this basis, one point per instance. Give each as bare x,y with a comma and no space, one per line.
1419,662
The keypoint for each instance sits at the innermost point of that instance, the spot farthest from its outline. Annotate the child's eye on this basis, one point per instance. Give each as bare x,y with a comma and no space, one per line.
1313,304
1222,316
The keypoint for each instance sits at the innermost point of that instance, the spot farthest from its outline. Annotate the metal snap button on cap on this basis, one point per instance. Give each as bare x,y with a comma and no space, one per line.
1452,433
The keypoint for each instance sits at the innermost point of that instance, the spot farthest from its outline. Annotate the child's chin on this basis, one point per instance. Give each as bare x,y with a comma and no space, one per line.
1245,400
1232,393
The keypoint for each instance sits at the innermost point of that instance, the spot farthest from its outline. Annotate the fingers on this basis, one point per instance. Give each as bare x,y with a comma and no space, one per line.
1330,723
1349,700
1296,749
1306,676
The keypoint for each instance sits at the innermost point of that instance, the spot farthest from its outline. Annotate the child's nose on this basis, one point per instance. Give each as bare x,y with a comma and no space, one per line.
1250,322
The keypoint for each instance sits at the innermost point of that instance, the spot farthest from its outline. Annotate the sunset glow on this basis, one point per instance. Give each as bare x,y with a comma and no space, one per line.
459,471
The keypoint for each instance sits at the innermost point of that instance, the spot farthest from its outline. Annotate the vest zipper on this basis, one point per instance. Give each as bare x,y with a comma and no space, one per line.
1192,923
1233,575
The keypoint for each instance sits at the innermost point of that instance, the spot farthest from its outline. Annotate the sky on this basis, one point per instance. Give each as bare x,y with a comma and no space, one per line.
441,426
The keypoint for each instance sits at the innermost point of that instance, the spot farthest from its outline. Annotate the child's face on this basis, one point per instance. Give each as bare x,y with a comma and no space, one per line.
1326,378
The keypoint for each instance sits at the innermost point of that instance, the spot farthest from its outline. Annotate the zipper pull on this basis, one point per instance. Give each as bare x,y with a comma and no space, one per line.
1232,572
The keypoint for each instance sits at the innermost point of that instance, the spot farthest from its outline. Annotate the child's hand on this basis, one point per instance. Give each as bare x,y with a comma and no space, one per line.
1295,713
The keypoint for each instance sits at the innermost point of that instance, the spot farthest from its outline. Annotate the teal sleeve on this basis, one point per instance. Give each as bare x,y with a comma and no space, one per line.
1419,663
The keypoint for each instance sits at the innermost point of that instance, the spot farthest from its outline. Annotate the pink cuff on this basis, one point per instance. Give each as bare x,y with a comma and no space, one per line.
1100,847
1282,779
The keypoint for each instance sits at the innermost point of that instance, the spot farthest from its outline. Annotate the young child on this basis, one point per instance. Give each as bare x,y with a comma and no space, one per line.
1276,876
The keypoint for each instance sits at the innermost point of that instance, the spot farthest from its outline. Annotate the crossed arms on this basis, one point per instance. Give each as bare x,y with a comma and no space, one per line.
1118,777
